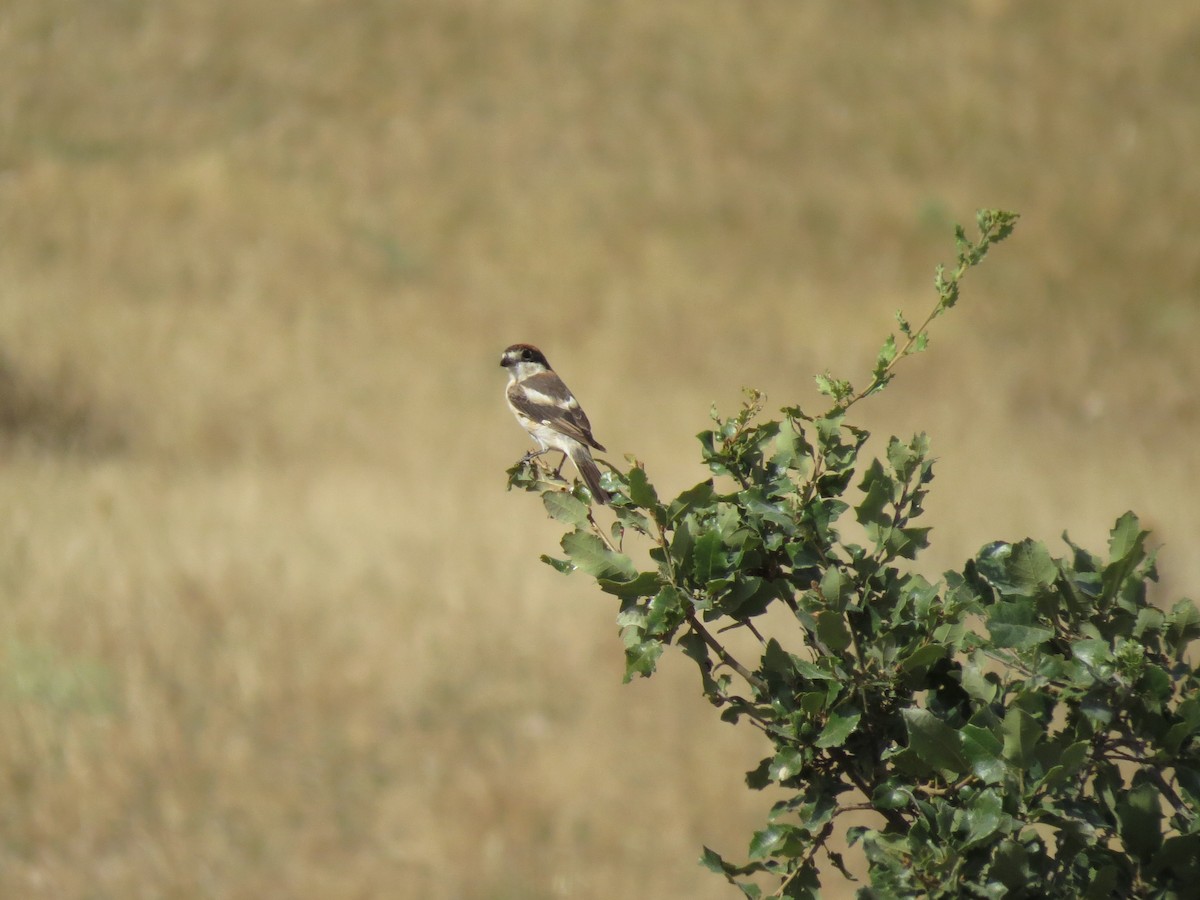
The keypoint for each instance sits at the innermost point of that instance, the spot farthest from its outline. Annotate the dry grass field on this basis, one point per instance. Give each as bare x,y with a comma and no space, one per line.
271,626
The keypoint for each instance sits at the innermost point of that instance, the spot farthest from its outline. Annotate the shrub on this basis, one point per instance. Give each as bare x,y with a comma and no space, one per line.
1027,726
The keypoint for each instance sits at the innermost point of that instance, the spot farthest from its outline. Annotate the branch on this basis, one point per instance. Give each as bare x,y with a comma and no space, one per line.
723,655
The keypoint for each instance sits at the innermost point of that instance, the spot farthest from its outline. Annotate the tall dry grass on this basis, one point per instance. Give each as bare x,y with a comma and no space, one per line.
271,627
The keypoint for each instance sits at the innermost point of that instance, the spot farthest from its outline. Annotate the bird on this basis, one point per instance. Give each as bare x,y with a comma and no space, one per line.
545,407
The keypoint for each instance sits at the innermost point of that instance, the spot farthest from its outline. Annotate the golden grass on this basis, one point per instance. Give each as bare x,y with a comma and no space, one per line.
271,625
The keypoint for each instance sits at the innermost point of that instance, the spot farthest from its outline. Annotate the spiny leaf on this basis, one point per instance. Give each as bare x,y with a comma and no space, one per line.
641,491
1126,535
887,355
641,658
837,389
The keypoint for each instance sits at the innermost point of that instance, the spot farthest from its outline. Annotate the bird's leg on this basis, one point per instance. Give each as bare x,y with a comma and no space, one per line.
562,462
533,454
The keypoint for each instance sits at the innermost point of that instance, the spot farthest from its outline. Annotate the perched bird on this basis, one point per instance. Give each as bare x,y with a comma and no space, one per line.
546,408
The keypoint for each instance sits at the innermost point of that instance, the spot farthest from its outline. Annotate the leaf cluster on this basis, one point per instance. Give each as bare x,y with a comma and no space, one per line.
1026,726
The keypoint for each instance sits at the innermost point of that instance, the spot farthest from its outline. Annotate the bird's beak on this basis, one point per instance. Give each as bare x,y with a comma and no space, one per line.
504,362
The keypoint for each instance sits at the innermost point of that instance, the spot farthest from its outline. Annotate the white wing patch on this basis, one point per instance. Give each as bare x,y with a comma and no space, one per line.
537,397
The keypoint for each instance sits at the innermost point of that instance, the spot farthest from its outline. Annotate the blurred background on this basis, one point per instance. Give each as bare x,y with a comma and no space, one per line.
271,625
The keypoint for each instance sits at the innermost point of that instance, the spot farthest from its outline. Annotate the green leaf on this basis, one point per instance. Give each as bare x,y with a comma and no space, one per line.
787,764
701,496
995,224
1188,726
811,671
878,487
712,861
1183,625
628,517
777,661
904,458
705,556
984,752
642,659
1030,567
1069,763
565,566
887,354
590,554
760,776
1022,732
665,611
1126,537
1179,855
772,840
1094,654
646,584
922,657
936,743
1011,625
984,818
1139,815
1148,619
1010,866
1127,548
834,586
891,794
565,508
840,726
824,513
835,388
976,683
907,542
791,450
832,630
641,491
1103,883
1025,569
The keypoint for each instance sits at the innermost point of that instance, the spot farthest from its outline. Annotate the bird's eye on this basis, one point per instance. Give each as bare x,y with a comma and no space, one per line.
526,354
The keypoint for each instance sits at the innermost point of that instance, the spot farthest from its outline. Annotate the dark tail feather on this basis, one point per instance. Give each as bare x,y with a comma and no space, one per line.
590,474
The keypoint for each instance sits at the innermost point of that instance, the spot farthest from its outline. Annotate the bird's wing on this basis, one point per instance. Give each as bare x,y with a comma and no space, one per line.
544,398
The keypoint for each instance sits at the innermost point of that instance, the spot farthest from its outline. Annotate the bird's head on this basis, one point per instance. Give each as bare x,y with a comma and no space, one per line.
522,360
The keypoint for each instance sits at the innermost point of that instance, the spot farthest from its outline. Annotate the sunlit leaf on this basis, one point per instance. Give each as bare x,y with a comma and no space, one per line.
565,508
590,554
840,726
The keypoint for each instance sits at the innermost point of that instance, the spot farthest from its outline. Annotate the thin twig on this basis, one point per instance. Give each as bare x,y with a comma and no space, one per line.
600,531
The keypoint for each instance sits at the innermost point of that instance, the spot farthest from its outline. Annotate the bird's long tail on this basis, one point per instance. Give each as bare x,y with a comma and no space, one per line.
590,474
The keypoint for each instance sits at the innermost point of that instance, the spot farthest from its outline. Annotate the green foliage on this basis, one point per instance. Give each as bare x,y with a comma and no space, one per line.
1027,726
